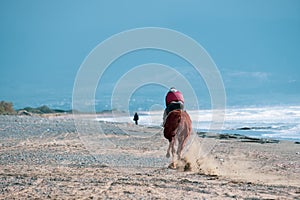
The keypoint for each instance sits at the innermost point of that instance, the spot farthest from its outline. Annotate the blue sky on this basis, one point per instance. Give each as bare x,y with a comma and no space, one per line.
255,44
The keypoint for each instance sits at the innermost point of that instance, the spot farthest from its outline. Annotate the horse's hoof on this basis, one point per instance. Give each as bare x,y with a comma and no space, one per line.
187,167
172,166
168,155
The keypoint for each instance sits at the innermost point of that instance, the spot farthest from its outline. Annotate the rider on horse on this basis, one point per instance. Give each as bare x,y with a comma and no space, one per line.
174,101
177,126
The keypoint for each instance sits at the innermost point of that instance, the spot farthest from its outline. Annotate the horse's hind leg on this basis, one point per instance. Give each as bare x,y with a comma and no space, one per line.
179,149
181,145
172,148
168,151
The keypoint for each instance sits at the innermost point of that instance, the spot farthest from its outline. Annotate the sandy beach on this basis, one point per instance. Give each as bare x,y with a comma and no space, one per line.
48,157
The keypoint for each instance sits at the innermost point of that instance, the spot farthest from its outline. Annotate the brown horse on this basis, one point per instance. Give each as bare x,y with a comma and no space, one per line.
177,129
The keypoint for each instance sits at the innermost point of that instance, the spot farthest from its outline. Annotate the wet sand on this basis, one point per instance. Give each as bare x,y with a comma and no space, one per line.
48,157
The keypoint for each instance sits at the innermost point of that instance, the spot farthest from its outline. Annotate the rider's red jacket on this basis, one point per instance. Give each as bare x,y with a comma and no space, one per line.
174,96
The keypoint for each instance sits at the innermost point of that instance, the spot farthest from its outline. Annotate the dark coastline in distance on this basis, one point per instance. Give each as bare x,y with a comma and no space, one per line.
45,110
6,108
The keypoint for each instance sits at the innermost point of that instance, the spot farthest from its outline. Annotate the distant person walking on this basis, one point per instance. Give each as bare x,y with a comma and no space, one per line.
136,118
174,101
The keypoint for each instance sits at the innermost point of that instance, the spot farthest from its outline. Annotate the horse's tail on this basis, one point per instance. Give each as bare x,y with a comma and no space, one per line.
172,121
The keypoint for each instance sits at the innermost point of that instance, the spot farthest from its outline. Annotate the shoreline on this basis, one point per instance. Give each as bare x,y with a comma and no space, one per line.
46,157
201,133
275,122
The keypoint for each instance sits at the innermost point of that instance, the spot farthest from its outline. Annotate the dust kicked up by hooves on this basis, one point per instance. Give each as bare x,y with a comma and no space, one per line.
197,157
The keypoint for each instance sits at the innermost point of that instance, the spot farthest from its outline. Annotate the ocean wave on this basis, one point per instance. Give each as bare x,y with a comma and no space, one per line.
277,122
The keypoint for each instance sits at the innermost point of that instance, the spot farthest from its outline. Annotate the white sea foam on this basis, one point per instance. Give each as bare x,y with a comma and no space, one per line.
280,122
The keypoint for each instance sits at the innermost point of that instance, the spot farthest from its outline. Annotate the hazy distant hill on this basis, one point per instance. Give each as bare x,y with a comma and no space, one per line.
45,110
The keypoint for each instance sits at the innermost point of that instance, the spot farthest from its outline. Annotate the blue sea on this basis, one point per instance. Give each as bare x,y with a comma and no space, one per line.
275,122
265,121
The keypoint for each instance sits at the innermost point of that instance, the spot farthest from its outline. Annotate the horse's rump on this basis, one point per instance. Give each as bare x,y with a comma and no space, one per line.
174,119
